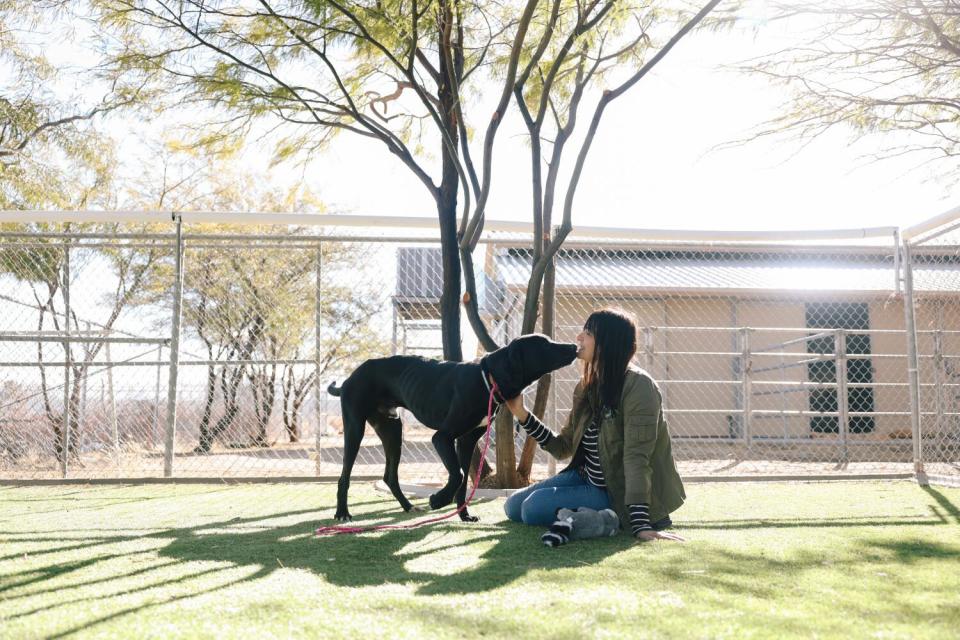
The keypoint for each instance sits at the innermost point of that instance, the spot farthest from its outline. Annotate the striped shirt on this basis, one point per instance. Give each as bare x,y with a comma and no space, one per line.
591,449
639,513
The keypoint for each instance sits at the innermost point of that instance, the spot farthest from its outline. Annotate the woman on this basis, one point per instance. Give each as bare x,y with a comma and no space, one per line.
617,437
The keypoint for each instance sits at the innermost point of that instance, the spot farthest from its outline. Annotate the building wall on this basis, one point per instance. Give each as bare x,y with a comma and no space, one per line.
692,346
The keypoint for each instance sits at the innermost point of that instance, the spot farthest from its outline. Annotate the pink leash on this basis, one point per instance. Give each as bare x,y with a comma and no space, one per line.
338,529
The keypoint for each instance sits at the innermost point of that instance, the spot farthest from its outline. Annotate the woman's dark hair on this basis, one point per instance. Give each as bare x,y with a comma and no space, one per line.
614,334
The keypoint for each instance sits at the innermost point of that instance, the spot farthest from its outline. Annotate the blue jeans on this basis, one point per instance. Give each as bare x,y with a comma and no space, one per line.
538,503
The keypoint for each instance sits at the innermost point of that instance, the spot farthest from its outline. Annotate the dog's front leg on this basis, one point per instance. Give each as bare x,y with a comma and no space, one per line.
444,445
465,446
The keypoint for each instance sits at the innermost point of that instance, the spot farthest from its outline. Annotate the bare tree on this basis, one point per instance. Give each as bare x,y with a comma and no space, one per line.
576,48
879,68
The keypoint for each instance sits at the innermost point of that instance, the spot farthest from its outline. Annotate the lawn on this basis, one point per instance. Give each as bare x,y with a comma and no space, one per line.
770,560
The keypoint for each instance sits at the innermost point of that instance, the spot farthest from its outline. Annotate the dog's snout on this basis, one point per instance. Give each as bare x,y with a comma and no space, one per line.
570,352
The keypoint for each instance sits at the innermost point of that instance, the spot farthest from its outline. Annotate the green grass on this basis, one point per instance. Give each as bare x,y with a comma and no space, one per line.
776,560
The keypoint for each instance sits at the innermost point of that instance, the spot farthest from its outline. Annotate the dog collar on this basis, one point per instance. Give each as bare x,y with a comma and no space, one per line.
497,397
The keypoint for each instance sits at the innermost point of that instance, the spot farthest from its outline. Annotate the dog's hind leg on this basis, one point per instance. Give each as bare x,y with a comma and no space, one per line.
353,426
465,446
390,430
444,445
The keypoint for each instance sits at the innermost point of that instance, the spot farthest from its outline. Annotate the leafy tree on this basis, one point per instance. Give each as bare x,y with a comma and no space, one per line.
51,153
383,71
876,68
251,308
405,75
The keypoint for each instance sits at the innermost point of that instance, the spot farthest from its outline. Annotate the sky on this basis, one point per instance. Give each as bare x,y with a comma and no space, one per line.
654,162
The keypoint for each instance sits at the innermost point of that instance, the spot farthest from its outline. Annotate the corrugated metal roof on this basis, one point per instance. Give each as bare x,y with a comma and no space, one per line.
749,275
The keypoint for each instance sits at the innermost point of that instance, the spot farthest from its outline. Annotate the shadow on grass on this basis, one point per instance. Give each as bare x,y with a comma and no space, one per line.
944,503
510,551
347,560
502,553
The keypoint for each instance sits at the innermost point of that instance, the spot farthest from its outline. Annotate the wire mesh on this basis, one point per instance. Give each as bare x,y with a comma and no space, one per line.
773,359
934,260
777,360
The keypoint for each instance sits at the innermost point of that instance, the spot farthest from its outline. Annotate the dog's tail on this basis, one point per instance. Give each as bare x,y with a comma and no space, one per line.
333,389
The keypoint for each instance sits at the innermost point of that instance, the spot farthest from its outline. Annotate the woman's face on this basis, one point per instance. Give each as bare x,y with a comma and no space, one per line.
585,345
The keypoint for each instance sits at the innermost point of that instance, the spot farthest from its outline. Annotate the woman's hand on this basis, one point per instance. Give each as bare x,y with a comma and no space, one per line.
650,534
515,405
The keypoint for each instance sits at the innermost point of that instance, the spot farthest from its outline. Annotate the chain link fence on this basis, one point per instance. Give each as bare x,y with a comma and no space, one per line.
933,267
774,358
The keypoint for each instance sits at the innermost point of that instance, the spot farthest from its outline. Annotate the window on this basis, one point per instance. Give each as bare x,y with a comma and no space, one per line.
852,317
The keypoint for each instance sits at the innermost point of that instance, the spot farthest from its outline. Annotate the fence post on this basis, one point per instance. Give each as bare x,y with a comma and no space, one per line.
937,378
317,317
171,427
114,428
648,349
747,381
913,370
67,364
84,380
156,401
551,461
840,355
896,262
393,338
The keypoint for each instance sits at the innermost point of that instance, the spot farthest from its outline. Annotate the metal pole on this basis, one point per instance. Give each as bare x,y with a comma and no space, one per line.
937,378
551,461
114,430
393,303
840,344
550,327
317,323
747,380
84,388
170,435
913,369
67,364
896,261
156,402
648,349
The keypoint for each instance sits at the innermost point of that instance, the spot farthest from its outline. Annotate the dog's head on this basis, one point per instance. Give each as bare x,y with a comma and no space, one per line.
525,360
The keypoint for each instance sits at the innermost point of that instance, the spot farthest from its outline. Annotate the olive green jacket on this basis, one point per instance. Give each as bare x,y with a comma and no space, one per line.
634,448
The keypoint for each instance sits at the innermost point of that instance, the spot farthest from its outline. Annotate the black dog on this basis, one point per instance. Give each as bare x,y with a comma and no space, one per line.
450,397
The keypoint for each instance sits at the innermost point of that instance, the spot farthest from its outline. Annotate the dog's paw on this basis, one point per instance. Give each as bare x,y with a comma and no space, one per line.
343,516
466,517
438,501
419,508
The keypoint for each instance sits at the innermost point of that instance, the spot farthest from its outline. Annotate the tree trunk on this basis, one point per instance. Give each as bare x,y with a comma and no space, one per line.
293,428
447,213
263,386
507,477
72,415
450,298
206,438
487,470
525,465
231,409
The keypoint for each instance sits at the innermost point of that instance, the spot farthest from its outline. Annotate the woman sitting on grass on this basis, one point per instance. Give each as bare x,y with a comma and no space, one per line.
617,437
